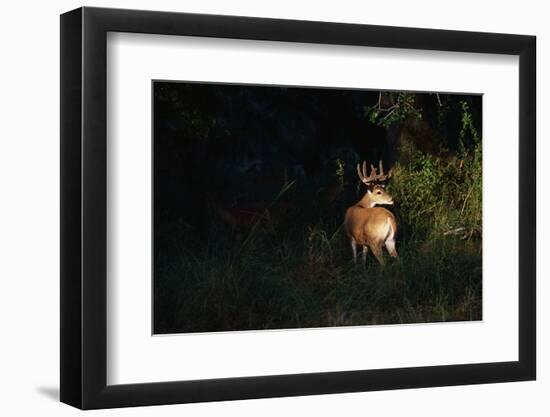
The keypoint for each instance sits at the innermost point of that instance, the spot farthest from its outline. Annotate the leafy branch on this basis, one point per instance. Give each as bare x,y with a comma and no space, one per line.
392,108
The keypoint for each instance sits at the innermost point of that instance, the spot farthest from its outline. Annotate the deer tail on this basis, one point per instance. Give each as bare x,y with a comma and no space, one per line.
392,227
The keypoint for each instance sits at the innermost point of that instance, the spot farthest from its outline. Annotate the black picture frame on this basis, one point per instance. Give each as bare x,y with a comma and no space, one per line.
84,197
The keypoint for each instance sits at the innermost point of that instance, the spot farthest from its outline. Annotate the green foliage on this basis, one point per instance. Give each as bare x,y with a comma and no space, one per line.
402,107
439,196
467,126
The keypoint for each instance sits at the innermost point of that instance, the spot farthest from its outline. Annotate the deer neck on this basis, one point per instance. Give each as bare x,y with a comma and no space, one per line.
366,202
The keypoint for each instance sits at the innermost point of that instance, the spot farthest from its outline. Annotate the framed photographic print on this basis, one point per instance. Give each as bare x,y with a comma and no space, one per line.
257,208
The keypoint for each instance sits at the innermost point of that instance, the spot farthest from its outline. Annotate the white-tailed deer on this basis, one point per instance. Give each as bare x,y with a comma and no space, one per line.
367,225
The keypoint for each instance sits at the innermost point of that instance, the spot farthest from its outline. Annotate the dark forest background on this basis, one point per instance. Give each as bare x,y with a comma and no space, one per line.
251,184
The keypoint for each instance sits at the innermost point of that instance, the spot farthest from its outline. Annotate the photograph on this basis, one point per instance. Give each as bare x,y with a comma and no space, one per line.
294,207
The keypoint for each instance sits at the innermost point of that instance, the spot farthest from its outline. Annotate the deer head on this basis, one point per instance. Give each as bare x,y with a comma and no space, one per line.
375,182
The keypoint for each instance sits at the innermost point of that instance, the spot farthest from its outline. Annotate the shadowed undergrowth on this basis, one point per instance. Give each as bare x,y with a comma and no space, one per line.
294,275
251,185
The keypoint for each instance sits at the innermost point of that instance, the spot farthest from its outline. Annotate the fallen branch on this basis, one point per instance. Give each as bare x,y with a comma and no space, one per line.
456,231
463,232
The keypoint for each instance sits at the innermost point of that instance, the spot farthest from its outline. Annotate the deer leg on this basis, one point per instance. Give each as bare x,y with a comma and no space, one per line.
390,246
365,251
377,251
354,249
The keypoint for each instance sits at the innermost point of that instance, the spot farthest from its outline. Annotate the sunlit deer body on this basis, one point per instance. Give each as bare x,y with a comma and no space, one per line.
367,225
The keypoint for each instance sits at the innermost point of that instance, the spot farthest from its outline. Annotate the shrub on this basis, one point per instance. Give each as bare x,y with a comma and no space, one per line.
439,196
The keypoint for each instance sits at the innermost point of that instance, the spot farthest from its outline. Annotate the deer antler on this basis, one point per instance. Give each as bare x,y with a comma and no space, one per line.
379,177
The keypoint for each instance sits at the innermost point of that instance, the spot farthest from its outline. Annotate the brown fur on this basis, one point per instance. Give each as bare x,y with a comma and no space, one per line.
372,227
